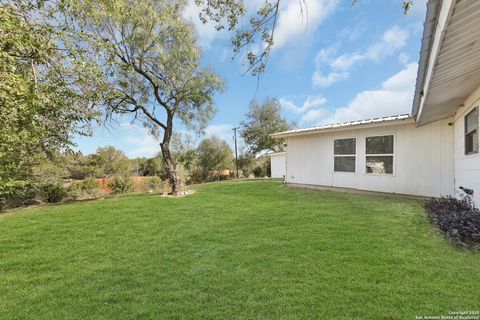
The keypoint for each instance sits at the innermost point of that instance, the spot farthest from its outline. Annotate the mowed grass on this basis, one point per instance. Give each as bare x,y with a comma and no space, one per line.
235,250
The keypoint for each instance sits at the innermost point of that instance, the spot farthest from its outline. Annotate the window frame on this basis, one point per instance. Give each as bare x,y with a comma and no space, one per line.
381,155
354,155
466,134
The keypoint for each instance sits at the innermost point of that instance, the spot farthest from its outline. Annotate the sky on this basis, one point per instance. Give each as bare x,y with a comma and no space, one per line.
341,63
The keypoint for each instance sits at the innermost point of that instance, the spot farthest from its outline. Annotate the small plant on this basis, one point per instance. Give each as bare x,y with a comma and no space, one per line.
458,219
52,192
120,185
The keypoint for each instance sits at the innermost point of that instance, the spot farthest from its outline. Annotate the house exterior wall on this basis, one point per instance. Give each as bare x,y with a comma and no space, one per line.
278,166
423,160
467,167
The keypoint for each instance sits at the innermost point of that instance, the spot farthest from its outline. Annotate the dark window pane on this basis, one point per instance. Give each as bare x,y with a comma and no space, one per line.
471,142
344,164
379,145
471,121
344,146
471,132
380,164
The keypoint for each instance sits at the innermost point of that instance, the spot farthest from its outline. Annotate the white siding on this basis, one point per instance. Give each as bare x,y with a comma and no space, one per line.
467,168
278,166
423,160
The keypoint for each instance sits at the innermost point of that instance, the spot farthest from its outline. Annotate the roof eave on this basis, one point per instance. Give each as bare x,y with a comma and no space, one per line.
304,132
427,41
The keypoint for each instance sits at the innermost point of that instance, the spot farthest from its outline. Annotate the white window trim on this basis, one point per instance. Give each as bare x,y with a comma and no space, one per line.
471,154
345,155
381,155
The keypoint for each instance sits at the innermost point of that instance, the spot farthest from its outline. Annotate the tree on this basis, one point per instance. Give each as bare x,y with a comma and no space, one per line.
148,65
260,29
214,154
40,109
263,120
109,162
246,163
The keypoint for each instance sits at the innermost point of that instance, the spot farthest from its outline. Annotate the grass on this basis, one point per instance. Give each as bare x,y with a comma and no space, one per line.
235,250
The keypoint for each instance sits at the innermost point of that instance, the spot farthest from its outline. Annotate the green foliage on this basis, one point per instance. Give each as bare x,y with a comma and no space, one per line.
89,183
151,167
40,109
109,161
14,193
246,163
120,184
261,121
186,158
146,63
262,167
52,192
214,154
153,182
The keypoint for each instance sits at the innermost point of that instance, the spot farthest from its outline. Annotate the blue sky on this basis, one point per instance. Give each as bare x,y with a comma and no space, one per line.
342,63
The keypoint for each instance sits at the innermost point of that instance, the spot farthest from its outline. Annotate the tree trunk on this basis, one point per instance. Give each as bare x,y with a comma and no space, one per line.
167,157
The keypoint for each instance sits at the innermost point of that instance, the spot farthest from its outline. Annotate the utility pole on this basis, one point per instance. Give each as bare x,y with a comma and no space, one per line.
236,154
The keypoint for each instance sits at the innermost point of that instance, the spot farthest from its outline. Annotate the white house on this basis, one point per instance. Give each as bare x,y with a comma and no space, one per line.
433,151
277,164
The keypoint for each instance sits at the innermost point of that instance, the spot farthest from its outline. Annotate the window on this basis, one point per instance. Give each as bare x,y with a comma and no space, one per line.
379,154
344,155
471,132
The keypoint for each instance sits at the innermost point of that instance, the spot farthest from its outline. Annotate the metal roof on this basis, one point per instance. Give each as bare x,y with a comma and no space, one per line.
450,69
375,122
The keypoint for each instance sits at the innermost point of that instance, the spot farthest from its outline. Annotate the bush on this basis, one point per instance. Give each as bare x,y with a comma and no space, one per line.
120,185
153,183
14,194
262,167
90,183
80,194
52,192
458,219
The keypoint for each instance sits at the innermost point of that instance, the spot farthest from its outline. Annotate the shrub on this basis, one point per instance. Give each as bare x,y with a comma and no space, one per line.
458,219
80,194
90,183
153,182
262,167
52,192
14,194
120,184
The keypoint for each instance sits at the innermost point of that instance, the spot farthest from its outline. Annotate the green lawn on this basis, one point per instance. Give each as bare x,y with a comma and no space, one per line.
236,250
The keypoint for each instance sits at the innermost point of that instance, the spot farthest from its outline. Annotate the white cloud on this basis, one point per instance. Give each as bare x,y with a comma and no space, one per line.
320,80
394,97
311,102
294,24
403,58
142,142
225,132
313,116
219,130
393,39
